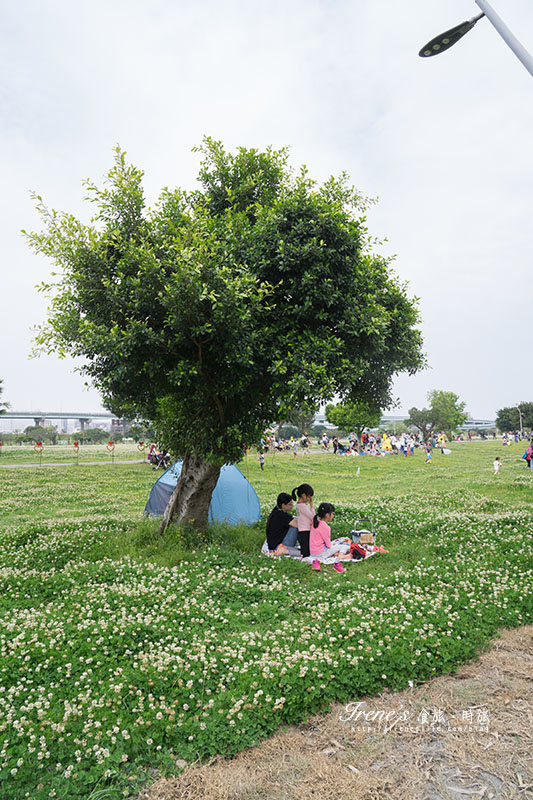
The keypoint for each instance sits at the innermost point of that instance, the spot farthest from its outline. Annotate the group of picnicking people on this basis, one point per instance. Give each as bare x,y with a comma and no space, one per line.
308,534
369,444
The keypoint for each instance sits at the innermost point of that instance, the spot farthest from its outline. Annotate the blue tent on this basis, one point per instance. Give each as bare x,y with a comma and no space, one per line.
234,499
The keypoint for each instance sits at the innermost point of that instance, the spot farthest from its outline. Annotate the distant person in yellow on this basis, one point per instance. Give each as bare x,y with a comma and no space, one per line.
441,442
385,443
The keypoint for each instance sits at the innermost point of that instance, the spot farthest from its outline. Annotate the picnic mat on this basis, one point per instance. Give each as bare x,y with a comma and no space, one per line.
371,551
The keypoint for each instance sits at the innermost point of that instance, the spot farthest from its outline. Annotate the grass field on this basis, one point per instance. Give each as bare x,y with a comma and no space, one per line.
17,455
121,652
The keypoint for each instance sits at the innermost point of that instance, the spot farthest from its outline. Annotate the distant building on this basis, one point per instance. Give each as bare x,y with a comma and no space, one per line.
390,420
478,425
120,426
320,419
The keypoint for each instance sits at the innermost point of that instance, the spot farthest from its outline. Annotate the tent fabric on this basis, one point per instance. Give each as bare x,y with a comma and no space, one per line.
234,500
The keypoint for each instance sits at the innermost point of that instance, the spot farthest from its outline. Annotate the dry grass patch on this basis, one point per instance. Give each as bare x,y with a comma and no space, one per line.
333,758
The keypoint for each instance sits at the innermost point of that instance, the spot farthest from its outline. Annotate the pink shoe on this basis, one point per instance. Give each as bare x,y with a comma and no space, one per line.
338,567
316,565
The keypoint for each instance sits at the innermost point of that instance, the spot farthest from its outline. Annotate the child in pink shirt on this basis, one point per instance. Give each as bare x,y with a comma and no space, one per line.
305,513
320,539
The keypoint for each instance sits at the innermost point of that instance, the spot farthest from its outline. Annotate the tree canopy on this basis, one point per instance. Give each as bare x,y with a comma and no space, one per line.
354,416
94,436
508,418
220,310
445,413
38,433
302,420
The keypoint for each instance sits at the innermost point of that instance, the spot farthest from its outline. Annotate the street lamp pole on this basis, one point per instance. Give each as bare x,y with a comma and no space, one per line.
509,38
520,414
447,39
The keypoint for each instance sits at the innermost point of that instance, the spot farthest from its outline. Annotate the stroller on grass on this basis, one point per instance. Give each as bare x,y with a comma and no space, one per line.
159,460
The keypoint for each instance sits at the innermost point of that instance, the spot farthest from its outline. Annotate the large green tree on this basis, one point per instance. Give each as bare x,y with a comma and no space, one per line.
220,310
508,418
445,413
354,416
424,419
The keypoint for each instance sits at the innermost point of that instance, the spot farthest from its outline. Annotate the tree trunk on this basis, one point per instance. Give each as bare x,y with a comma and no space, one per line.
189,502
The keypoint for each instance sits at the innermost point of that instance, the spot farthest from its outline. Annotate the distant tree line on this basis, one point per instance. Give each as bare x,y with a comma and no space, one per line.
508,418
49,435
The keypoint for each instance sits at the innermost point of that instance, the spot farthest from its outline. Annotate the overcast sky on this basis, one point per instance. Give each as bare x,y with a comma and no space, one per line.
445,143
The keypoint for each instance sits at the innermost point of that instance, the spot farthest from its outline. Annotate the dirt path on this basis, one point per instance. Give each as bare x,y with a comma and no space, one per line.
458,737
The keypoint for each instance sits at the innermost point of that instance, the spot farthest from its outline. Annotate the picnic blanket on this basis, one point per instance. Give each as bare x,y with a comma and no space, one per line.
371,551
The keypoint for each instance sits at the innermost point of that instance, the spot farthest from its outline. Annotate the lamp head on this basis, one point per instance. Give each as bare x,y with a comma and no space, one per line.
445,40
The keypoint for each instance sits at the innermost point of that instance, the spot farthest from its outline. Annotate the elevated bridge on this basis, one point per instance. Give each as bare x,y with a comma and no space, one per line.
40,417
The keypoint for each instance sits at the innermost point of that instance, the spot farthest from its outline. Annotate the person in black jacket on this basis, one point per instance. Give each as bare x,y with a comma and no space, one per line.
282,527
